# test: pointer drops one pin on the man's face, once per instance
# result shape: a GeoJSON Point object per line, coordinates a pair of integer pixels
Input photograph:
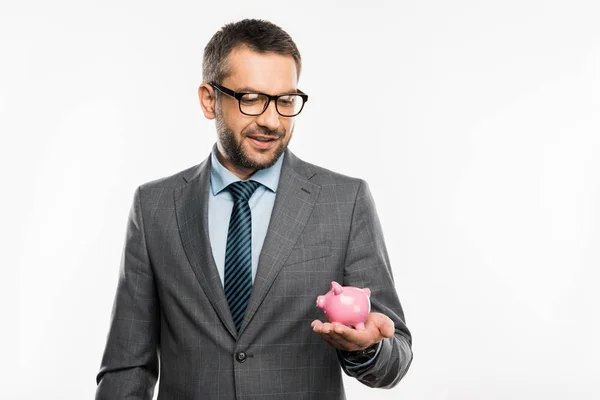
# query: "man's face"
{"type": "Point", "coordinates": [248, 143]}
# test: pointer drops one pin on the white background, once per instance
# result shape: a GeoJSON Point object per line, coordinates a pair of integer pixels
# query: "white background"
{"type": "Point", "coordinates": [475, 123]}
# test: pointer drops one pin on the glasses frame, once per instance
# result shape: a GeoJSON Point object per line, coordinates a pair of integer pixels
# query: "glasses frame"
{"type": "Point", "coordinates": [238, 96]}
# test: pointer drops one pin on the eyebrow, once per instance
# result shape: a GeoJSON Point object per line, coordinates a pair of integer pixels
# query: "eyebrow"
{"type": "Point", "coordinates": [252, 90]}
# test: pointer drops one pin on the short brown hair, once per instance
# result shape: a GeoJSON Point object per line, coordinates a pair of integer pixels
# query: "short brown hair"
{"type": "Point", "coordinates": [258, 35]}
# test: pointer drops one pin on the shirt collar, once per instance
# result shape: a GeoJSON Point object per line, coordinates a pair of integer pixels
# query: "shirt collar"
{"type": "Point", "coordinates": [221, 177]}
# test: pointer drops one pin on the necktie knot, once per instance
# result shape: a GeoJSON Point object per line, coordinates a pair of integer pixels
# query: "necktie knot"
{"type": "Point", "coordinates": [242, 190]}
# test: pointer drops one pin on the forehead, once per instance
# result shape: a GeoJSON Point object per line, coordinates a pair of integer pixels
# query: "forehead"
{"type": "Point", "coordinates": [265, 72]}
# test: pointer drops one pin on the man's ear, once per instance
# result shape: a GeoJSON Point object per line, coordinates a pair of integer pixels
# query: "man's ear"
{"type": "Point", "coordinates": [208, 100]}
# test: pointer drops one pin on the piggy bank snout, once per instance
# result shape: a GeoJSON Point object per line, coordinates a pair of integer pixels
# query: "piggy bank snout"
{"type": "Point", "coordinates": [321, 301]}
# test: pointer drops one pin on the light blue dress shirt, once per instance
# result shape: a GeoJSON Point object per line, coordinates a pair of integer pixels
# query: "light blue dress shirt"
{"type": "Point", "coordinates": [220, 204]}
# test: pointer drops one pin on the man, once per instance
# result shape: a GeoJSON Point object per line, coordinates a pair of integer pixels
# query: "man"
{"type": "Point", "coordinates": [223, 262]}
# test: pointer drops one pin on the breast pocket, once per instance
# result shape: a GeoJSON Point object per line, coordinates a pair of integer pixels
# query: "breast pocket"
{"type": "Point", "coordinates": [308, 254]}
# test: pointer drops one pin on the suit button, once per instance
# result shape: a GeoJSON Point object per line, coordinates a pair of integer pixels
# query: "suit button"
{"type": "Point", "coordinates": [241, 356]}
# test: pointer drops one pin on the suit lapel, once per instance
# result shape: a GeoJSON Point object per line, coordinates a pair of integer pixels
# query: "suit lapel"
{"type": "Point", "coordinates": [191, 202]}
{"type": "Point", "coordinates": [296, 197]}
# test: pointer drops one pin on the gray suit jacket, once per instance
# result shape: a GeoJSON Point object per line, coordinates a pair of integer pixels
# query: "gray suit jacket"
{"type": "Point", "coordinates": [170, 308]}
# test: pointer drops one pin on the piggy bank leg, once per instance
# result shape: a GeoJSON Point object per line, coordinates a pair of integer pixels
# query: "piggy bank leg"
{"type": "Point", "coordinates": [360, 326]}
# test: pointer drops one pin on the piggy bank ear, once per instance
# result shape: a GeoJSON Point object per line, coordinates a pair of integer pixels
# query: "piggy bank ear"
{"type": "Point", "coordinates": [367, 291]}
{"type": "Point", "coordinates": [336, 287]}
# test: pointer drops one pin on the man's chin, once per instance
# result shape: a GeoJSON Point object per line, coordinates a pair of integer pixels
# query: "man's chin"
{"type": "Point", "coordinates": [263, 159]}
{"type": "Point", "coordinates": [260, 163]}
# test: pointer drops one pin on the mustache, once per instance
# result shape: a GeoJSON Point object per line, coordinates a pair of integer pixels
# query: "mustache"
{"type": "Point", "coordinates": [265, 132]}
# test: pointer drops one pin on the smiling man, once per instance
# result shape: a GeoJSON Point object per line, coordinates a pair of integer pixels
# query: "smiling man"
{"type": "Point", "coordinates": [223, 262]}
{"type": "Point", "coordinates": [252, 135]}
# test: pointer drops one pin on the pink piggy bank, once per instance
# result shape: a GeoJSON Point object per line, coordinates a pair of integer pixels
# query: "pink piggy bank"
{"type": "Point", "coordinates": [347, 305]}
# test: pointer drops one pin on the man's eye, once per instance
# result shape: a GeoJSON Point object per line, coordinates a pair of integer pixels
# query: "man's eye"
{"type": "Point", "coordinates": [250, 98]}
{"type": "Point", "coordinates": [287, 101]}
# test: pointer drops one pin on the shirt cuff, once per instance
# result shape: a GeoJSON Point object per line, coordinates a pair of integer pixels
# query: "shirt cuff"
{"type": "Point", "coordinates": [352, 366]}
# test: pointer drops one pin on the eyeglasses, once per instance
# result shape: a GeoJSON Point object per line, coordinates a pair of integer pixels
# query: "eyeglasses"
{"type": "Point", "coordinates": [254, 104]}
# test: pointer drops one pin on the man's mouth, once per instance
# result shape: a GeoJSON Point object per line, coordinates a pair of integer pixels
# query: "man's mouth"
{"type": "Point", "coordinates": [263, 142]}
{"type": "Point", "coordinates": [263, 138]}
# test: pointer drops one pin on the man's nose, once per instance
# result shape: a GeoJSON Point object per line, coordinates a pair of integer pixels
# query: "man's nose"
{"type": "Point", "coordinates": [270, 118]}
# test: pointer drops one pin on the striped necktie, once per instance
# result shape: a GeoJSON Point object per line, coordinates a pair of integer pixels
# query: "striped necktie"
{"type": "Point", "coordinates": [238, 253]}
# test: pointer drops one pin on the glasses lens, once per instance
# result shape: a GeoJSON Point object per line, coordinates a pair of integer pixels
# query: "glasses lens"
{"type": "Point", "coordinates": [253, 103]}
{"type": "Point", "coordinates": [289, 105]}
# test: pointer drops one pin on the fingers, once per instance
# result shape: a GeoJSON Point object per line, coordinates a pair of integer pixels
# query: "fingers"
{"type": "Point", "coordinates": [346, 338]}
{"type": "Point", "coordinates": [327, 327]}
{"type": "Point", "coordinates": [325, 331]}
{"type": "Point", "coordinates": [316, 324]}
{"type": "Point", "coordinates": [377, 327]}
{"type": "Point", "coordinates": [334, 335]}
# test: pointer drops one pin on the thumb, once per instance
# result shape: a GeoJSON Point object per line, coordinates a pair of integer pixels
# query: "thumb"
{"type": "Point", "coordinates": [386, 326]}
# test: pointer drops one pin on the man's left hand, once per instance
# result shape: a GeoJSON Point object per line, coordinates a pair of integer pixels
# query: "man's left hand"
{"type": "Point", "coordinates": [342, 337]}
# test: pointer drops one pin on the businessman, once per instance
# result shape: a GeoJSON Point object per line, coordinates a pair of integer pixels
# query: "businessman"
{"type": "Point", "coordinates": [223, 262]}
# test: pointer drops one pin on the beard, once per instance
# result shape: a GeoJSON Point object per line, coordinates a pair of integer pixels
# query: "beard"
{"type": "Point", "coordinates": [234, 149]}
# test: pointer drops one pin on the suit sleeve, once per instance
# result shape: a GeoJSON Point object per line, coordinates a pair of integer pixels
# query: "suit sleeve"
{"type": "Point", "coordinates": [367, 265]}
{"type": "Point", "coordinates": [129, 368]}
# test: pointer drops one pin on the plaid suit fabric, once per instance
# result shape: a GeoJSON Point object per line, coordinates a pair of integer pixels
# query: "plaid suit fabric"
{"type": "Point", "coordinates": [323, 227]}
